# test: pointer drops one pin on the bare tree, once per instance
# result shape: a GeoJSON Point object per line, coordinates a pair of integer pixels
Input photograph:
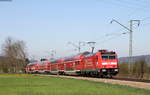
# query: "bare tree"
{"type": "Point", "coordinates": [139, 68]}
{"type": "Point", "coordinates": [142, 65]}
{"type": "Point", "coordinates": [15, 52]}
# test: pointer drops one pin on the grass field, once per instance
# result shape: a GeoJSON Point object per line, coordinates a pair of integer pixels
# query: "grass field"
{"type": "Point", "coordinates": [34, 85]}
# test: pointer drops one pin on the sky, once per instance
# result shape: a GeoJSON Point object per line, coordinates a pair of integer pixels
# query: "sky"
{"type": "Point", "coordinates": [47, 25]}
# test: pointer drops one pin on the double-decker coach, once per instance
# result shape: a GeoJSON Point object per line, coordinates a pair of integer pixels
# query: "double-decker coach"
{"type": "Point", "coordinates": [32, 67]}
{"type": "Point", "coordinates": [73, 65]}
{"type": "Point", "coordinates": [45, 66]}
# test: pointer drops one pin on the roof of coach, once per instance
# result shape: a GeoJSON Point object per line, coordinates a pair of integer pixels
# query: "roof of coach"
{"type": "Point", "coordinates": [59, 60]}
{"type": "Point", "coordinates": [32, 63]}
{"type": "Point", "coordinates": [45, 62]}
{"type": "Point", "coordinates": [77, 56]}
{"type": "Point", "coordinates": [89, 55]}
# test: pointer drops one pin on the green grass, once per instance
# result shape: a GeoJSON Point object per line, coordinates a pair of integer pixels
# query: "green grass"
{"type": "Point", "coordinates": [34, 85]}
{"type": "Point", "coordinates": [14, 75]}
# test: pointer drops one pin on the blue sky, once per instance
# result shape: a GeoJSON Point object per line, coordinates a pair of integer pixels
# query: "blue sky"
{"type": "Point", "coordinates": [47, 25]}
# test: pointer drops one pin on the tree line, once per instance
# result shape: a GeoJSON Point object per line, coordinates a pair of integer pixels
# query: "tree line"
{"type": "Point", "coordinates": [13, 57]}
{"type": "Point", "coordinates": [139, 69]}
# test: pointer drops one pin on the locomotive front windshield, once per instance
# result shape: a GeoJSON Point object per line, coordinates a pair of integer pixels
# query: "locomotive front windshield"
{"type": "Point", "coordinates": [110, 56]}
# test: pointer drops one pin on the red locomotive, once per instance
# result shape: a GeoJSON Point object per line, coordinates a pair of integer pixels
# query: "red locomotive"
{"type": "Point", "coordinates": [100, 64]}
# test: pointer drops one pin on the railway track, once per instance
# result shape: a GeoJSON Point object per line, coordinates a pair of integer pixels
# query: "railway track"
{"type": "Point", "coordinates": [144, 84]}
{"type": "Point", "coordinates": [132, 79]}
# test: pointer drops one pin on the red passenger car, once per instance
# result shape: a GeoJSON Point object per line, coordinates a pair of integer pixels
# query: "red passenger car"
{"type": "Point", "coordinates": [32, 67]}
{"type": "Point", "coordinates": [73, 64]}
{"type": "Point", "coordinates": [54, 67]}
{"type": "Point", "coordinates": [60, 66]}
{"type": "Point", "coordinates": [46, 66]}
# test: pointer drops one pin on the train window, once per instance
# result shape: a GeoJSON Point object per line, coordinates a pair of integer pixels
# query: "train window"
{"type": "Point", "coordinates": [77, 63]}
{"type": "Point", "coordinates": [112, 57]}
{"type": "Point", "coordinates": [96, 58]}
{"type": "Point", "coordinates": [36, 66]}
{"type": "Point", "coordinates": [104, 57]}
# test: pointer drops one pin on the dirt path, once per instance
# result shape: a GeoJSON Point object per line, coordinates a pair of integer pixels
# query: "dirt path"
{"type": "Point", "coordinates": [111, 81]}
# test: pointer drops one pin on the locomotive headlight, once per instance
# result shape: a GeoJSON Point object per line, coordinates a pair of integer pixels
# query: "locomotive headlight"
{"type": "Point", "coordinates": [116, 70]}
{"type": "Point", "coordinates": [103, 70]}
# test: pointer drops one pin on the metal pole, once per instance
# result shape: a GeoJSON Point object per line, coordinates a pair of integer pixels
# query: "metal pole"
{"type": "Point", "coordinates": [53, 52]}
{"type": "Point", "coordinates": [130, 40]}
{"type": "Point", "coordinates": [130, 47]}
{"type": "Point", "coordinates": [79, 47]}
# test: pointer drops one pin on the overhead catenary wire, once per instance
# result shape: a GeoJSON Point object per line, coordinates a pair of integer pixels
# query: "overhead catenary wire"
{"type": "Point", "coordinates": [77, 46]}
{"type": "Point", "coordinates": [112, 37]}
{"type": "Point", "coordinates": [144, 19]}
{"type": "Point", "coordinates": [119, 34]}
{"type": "Point", "coordinates": [135, 3]}
{"type": "Point", "coordinates": [142, 2]}
{"type": "Point", "coordinates": [125, 4]}
{"type": "Point", "coordinates": [116, 4]}
{"type": "Point", "coordinates": [128, 6]}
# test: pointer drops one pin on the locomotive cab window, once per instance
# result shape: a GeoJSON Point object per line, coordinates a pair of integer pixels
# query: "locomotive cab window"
{"type": "Point", "coordinates": [77, 63]}
{"type": "Point", "coordinates": [104, 57]}
{"type": "Point", "coordinates": [112, 57]}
